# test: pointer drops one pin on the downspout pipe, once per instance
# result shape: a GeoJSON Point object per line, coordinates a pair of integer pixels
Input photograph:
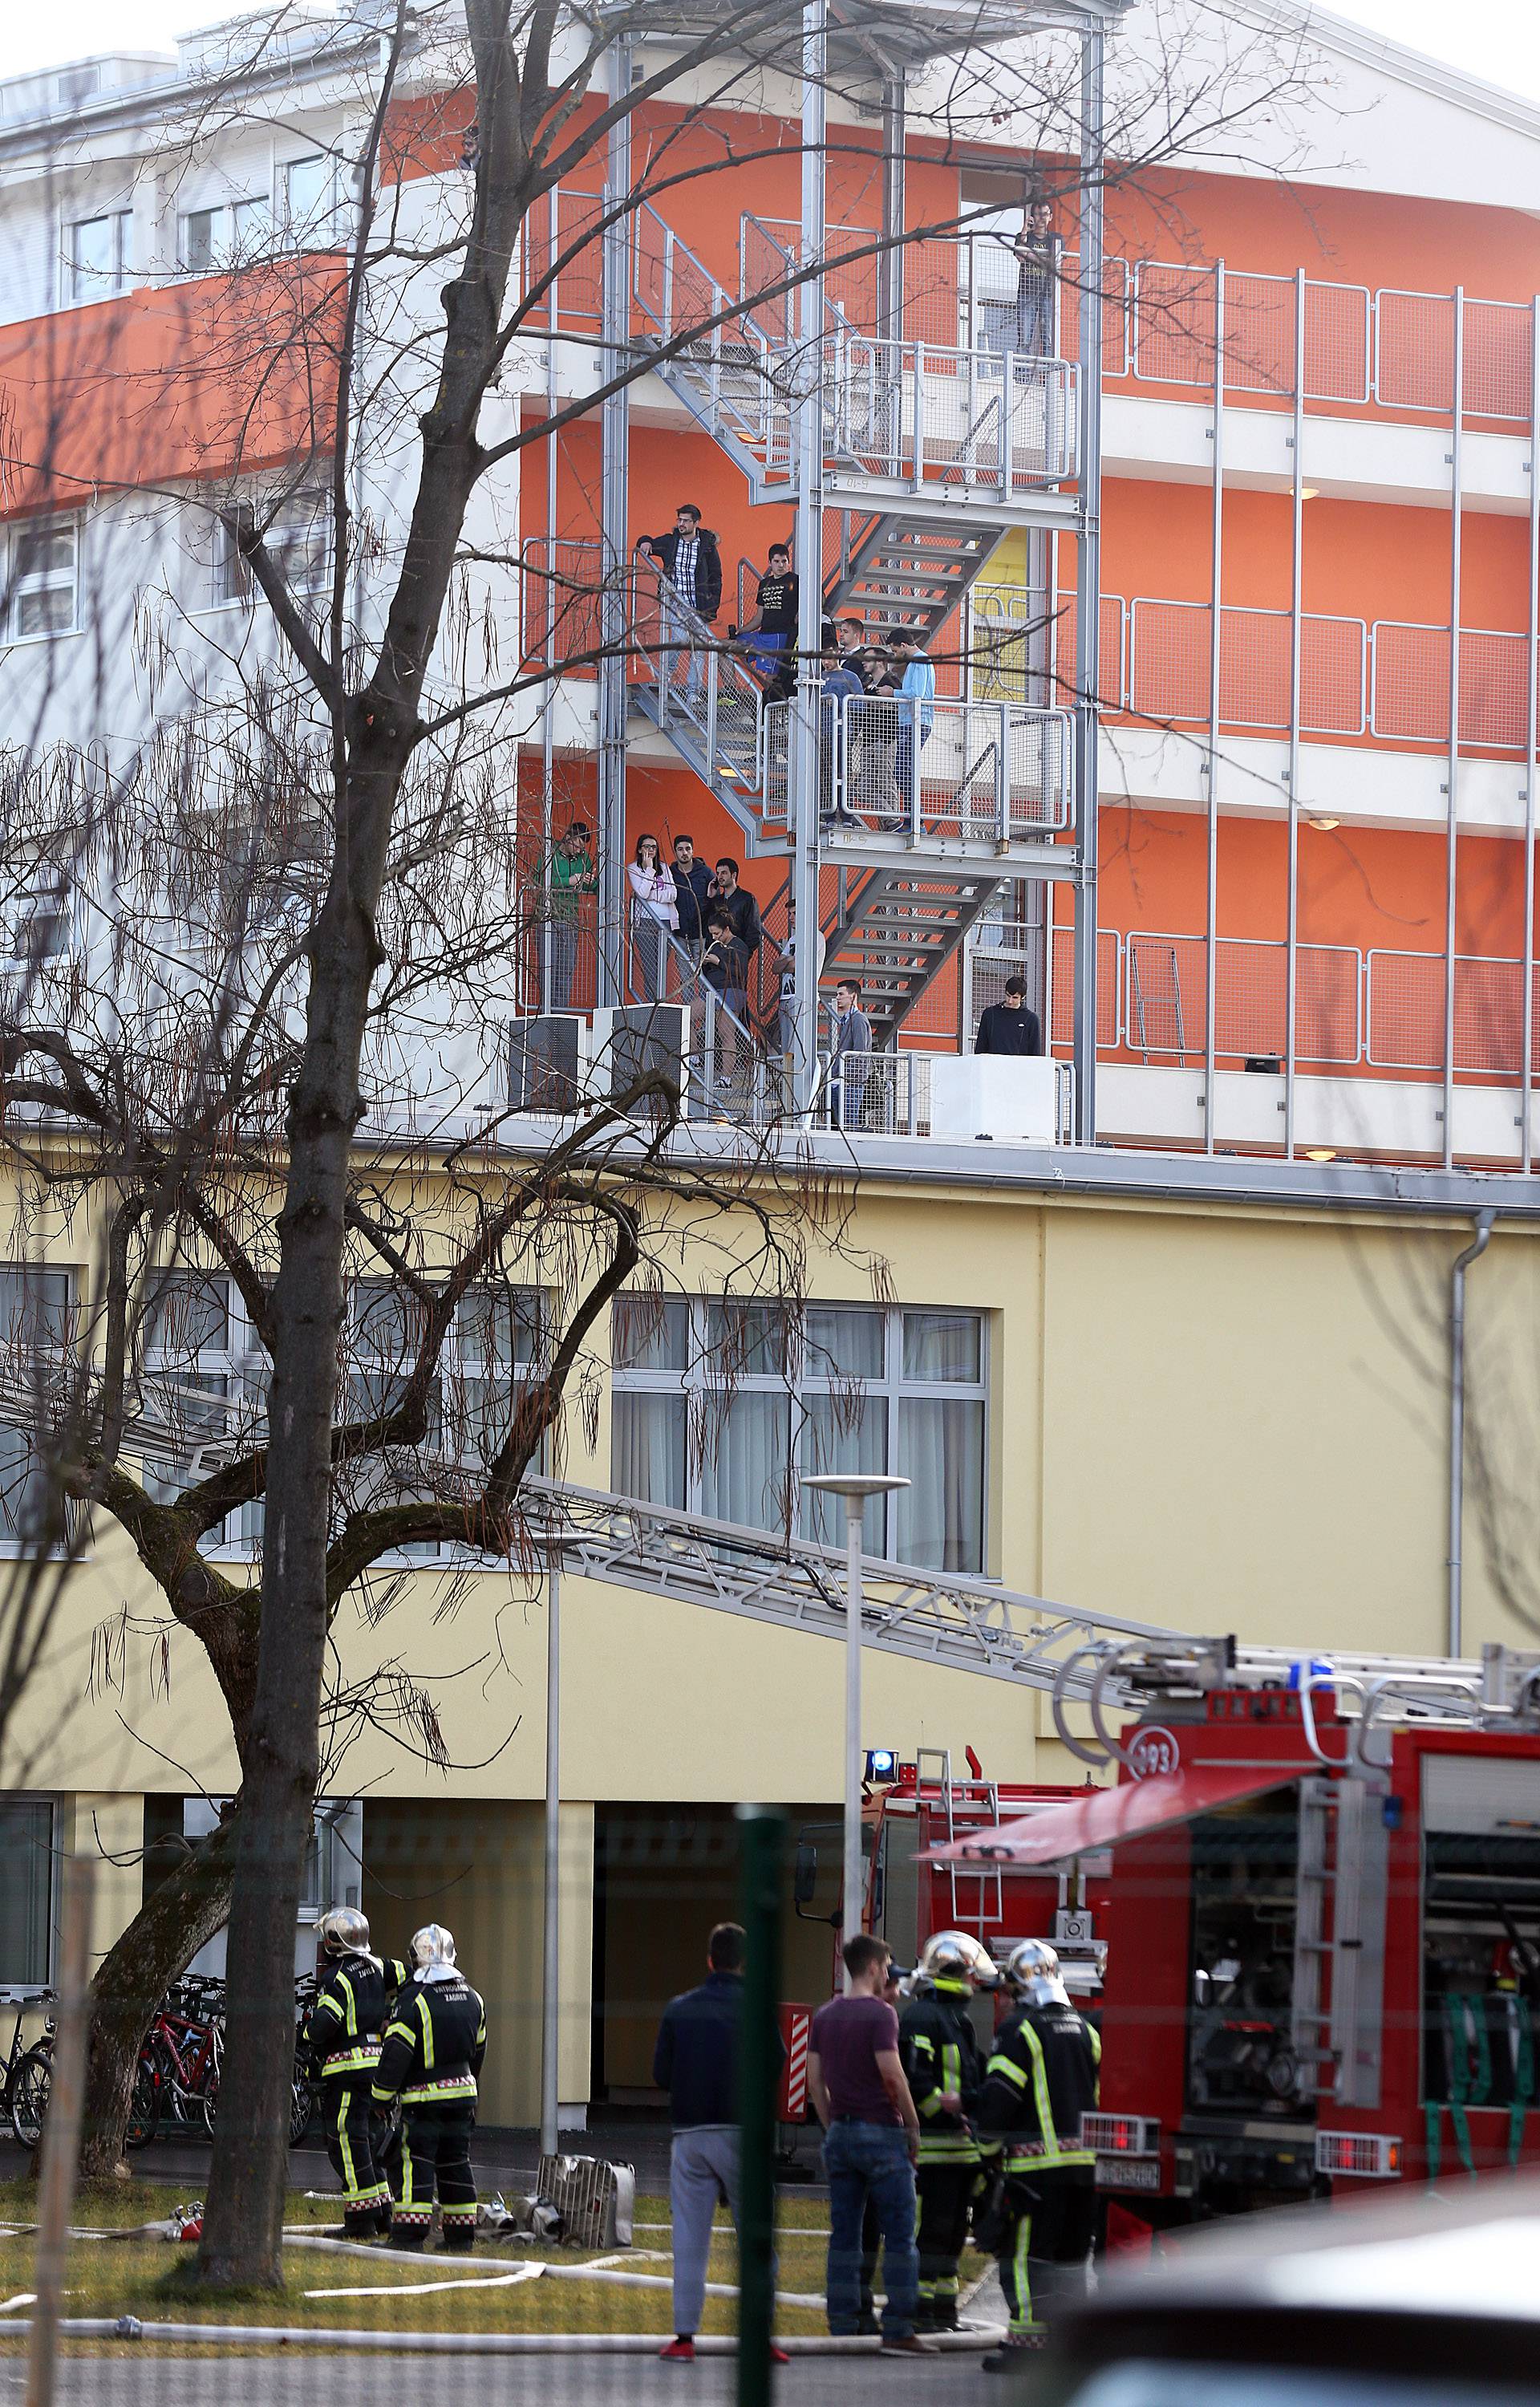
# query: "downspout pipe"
{"type": "Point", "coordinates": [1473, 1253]}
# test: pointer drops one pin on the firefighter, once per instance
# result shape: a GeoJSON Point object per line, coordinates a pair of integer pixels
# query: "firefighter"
{"type": "Point", "coordinates": [342, 2037]}
{"type": "Point", "coordinates": [941, 2057]}
{"type": "Point", "coordinates": [1041, 2078]}
{"type": "Point", "coordinates": [434, 2044]}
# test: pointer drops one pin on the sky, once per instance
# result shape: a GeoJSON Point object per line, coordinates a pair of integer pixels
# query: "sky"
{"type": "Point", "coordinates": [1496, 39]}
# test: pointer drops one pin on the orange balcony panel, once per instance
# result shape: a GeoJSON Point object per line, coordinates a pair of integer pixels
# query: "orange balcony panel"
{"type": "Point", "coordinates": [182, 383]}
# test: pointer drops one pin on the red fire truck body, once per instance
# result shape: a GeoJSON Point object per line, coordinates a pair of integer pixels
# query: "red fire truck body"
{"type": "Point", "coordinates": [1322, 1942]}
{"type": "Point", "coordinates": [909, 1896]}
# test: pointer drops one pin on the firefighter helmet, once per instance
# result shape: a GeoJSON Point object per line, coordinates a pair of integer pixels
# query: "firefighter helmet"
{"type": "Point", "coordinates": [433, 1944]}
{"type": "Point", "coordinates": [343, 1932]}
{"type": "Point", "coordinates": [1032, 1970]}
{"type": "Point", "coordinates": [953, 1956]}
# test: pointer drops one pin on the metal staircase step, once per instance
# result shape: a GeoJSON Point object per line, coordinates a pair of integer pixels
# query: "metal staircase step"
{"type": "Point", "coordinates": [909, 572]}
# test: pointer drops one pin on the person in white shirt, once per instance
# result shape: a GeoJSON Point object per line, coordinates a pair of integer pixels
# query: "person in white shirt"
{"type": "Point", "coordinates": [654, 917]}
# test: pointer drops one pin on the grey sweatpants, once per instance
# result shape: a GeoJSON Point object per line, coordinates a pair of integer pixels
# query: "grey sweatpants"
{"type": "Point", "coordinates": [703, 2164]}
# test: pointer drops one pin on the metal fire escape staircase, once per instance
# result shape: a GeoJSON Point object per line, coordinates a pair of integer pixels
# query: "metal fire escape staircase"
{"type": "Point", "coordinates": [904, 561]}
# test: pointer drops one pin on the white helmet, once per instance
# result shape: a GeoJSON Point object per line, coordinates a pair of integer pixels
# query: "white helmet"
{"type": "Point", "coordinates": [953, 1956]}
{"type": "Point", "coordinates": [343, 1932]}
{"type": "Point", "coordinates": [433, 1944]}
{"type": "Point", "coordinates": [1032, 1970]}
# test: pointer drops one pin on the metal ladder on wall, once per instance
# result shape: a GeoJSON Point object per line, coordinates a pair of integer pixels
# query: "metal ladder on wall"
{"type": "Point", "coordinates": [1144, 1003]}
{"type": "Point", "coordinates": [1310, 2013]}
{"type": "Point", "coordinates": [982, 1805]}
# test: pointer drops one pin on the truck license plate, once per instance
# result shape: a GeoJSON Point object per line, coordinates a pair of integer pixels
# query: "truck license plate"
{"type": "Point", "coordinates": [1128, 2173]}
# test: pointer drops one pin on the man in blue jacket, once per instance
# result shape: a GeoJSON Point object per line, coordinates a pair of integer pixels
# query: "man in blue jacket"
{"type": "Point", "coordinates": [695, 2062]}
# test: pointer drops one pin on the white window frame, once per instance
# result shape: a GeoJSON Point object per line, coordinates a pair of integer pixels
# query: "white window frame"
{"type": "Point", "coordinates": [304, 515]}
{"type": "Point", "coordinates": [100, 284]}
{"type": "Point", "coordinates": [242, 1365]}
{"type": "Point", "coordinates": [236, 226]}
{"type": "Point", "coordinates": [804, 1377]}
{"type": "Point", "coordinates": [45, 904]}
{"type": "Point", "coordinates": [317, 226]}
{"type": "Point", "coordinates": [19, 587]}
{"type": "Point", "coordinates": [459, 1367]}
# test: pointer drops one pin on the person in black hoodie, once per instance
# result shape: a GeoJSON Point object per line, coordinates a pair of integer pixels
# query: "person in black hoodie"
{"type": "Point", "coordinates": [691, 561]}
{"type": "Point", "coordinates": [1009, 1027]}
{"type": "Point", "coordinates": [692, 883]}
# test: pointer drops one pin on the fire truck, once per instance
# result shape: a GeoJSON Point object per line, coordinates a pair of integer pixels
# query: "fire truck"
{"type": "Point", "coordinates": [1322, 1920]}
{"type": "Point", "coordinates": [914, 1807]}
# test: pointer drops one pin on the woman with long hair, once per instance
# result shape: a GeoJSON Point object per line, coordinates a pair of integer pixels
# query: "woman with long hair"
{"type": "Point", "coordinates": [654, 915]}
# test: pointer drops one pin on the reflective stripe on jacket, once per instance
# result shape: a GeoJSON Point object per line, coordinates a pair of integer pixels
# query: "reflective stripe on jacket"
{"type": "Point", "coordinates": [1043, 2076]}
{"type": "Point", "coordinates": [342, 2028]}
{"type": "Point", "coordinates": [940, 2052]}
{"type": "Point", "coordinates": [434, 2044]}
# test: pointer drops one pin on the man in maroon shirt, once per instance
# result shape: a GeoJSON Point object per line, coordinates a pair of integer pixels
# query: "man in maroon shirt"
{"type": "Point", "coordinates": [871, 2139]}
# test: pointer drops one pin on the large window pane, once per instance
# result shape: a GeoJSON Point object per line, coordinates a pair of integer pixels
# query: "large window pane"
{"type": "Point", "coordinates": [942, 1346]}
{"type": "Point", "coordinates": [187, 1314]}
{"type": "Point", "coordinates": [26, 1887]}
{"type": "Point", "coordinates": [844, 1342]}
{"type": "Point", "coordinates": [647, 1448]}
{"type": "Point", "coordinates": [939, 1519]}
{"type": "Point", "coordinates": [651, 1334]}
{"type": "Point", "coordinates": [745, 1459]}
{"type": "Point", "coordinates": [745, 1341]}
{"type": "Point", "coordinates": [843, 1432]}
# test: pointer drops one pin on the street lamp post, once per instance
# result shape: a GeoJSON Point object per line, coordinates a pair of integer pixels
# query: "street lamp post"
{"type": "Point", "coordinates": [854, 1487]}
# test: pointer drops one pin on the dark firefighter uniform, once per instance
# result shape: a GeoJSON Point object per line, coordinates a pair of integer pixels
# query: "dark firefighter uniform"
{"type": "Point", "coordinates": [941, 2056]}
{"type": "Point", "coordinates": [434, 2044]}
{"type": "Point", "coordinates": [343, 2034]}
{"type": "Point", "coordinates": [1041, 2078]}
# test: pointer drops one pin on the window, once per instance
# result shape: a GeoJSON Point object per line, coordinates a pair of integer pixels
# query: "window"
{"type": "Point", "coordinates": [100, 255]}
{"type": "Point", "coordinates": [309, 192]}
{"type": "Point", "coordinates": [226, 237]}
{"type": "Point", "coordinates": [37, 1330]}
{"type": "Point", "coordinates": [718, 1406]}
{"type": "Point", "coordinates": [35, 926]}
{"type": "Point", "coordinates": [298, 536]}
{"type": "Point", "coordinates": [492, 1349]}
{"type": "Point", "coordinates": [44, 592]}
{"type": "Point", "coordinates": [200, 1345]}
{"type": "Point", "coordinates": [26, 1890]}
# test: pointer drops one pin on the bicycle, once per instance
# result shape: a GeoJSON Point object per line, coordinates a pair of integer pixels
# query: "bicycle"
{"type": "Point", "coordinates": [184, 2051]}
{"type": "Point", "coordinates": [29, 2070]}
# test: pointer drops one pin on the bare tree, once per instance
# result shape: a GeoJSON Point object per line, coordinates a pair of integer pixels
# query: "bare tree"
{"type": "Point", "coordinates": [310, 912]}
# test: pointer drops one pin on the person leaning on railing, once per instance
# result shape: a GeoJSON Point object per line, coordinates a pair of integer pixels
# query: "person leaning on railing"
{"type": "Point", "coordinates": [916, 718]}
{"type": "Point", "coordinates": [655, 915]}
{"type": "Point", "coordinates": [570, 878]}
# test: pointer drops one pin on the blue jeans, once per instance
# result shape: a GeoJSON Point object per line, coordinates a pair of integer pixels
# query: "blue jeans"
{"type": "Point", "coordinates": [862, 2161]}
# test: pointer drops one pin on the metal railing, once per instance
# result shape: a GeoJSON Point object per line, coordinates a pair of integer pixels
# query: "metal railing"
{"type": "Point", "coordinates": [888, 1094]}
{"type": "Point", "coordinates": [694, 684]}
{"type": "Point", "coordinates": [929, 415]}
{"type": "Point", "coordinates": [1166, 999]}
{"type": "Point", "coordinates": [1168, 667]}
{"type": "Point", "coordinates": [1406, 1008]}
{"type": "Point", "coordinates": [990, 771]}
{"type": "Point", "coordinates": [560, 591]}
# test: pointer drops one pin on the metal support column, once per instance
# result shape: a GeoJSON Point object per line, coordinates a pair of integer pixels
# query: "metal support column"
{"type": "Point", "coordinates": [550, 2000]}
{"type": "Point", "coordinates": [1296, 606]}
{"type": "Point", "coordinates": [547, 705]}
{"type": "Point", "coordinates": [1452, 822]}
{"type": "Point", "coordinates": [890, 260]}
{"type": "Point", "coordinates": [808, 441]}
{"type": "Point", "coordinates": [1216, 630]}
{"type": "Point", "coordinates": [1532, 745]}
{"type": "Point", "coordinates": [615, 556]}
{"type": "Point", "coordinates": [1088, 586]}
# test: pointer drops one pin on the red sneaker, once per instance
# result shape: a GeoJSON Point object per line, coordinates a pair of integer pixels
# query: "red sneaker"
{"type": "Point", "coordinates": [681, 2352]}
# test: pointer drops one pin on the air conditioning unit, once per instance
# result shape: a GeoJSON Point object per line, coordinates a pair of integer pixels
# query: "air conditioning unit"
{"type": "Point", "coordinates": [641, 1037]}
{"type": "Point", "coordinates": [547, 1064]}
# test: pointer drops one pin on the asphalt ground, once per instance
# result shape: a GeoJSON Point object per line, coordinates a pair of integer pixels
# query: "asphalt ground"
{"type": "Point", "coordinates": [324, 2380]}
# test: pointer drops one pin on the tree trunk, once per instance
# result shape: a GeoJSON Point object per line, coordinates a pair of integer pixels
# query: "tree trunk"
{"type": "Point", "coordinates": [243, 2227]}
{"type": "Point", "coordinates": [178, 1919]}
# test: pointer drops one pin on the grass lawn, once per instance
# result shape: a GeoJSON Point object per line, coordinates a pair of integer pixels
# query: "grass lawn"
{"type": "Point", "coordinates": [146, 2277]}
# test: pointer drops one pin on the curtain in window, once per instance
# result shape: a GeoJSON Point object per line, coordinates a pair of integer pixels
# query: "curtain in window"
{"type": "Point", "coordinates": [647, 1450]}
{"type": "Point", "coordinates": [746, 1454]}
{"type": "Point", "coordinates": [26, 1888]}
{"type": "Point", "coordinates": [843, 1431]}
{"type": "Point", "coordinates": [939, 1519]}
